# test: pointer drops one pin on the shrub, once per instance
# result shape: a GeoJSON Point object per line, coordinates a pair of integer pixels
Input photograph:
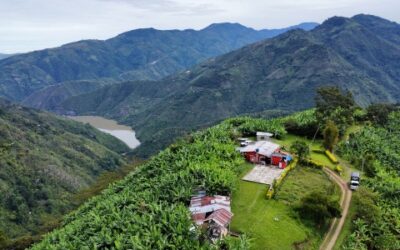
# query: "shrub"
{"type": "Point", "coordinates": [331, 135]}
{"type": "Point", "coordinates": [270, 193]}
{"type": "Point", "coordinates": [318, 151]}
{"type": "Point", "coordinates": [278, 181]}
{"type": "Point", "coordinates": [318, 207]}
{"type": "Point", "coordinates": [331, 157]}
{"type": "Point", "coordinates": [301, 149]}
{"type": "Point", "coordinates": [339, 169]}
{"type": "Point", "coordinates": [313, 164]}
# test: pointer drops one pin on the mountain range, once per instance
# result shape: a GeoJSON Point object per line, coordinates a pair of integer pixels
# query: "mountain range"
{"type": "Point", "coordinates": [3, 56]}
{"type": "Point", "coordinates": [279, 75]}
{"type": "Point", "coordinates": [44, 161]}
{"type": "Point", "coordinates": [135, 55]}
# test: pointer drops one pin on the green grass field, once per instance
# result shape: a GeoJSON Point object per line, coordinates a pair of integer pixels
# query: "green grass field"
{"type": "Point", "coordinates": [272, 224]}
{"type": "Point", "coordinates": [303, 180]}
{"type": "Point", "coordinates": [287, 141]}
{"type": "Point", "coordinates": [269, 223]}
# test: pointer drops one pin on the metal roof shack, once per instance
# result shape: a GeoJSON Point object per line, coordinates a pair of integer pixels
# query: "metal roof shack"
{"type": "Point", "coordinates": [206, 204]}
{"type": "Point", "coordinates": [222, 217]}
{"type": "Point", "coordinates": [213, 213]}
{"type": "Point", "coordinates": [262, 136]}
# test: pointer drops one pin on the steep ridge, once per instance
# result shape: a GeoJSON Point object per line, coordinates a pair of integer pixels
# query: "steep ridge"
{"type": "Point", "coordinates": [278, 74]}
{"type": "Point", "coordinates": [50, 97]}
{"type": "Point", "coordinates": [44, 160]}
{"type": "Point", "coordinates": [141, 54]}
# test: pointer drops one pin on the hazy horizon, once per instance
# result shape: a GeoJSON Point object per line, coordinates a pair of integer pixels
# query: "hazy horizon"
{"type": "Point", "coordinates": [27, 25]}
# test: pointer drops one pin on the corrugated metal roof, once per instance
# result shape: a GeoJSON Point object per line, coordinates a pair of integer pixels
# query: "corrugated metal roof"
{"type": "Point", "coordinates": [265, 134]}
{"type": "Point", "coordinates": [265, 148]}
{"type": "Point", "coordinates": [199, 218]}
{"type": "Point", "coordinates": [208, 204]}
{"type": "Point", "coordinates": [222, 217]}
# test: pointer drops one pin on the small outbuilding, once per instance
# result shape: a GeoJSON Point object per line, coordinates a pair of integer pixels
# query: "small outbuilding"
{"type": "Point", "coordinates": [213, 213]}
{"type": "Point", "coordinates": [264, 136]}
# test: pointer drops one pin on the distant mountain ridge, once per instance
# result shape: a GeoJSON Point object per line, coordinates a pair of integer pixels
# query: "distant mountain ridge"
{"type": "Point", "coordinates": [278, 75]}
{"type": "Point", "coordinates": [3, 56]}
{"type": "Point", "coordinates": [142, 54]}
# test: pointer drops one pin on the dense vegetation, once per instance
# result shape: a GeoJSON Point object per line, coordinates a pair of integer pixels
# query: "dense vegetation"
{"type": "Point", "coordinates": [148, 209]}
{"type": "Point", "coordinates": [135, 55]}
{"type": "Point", "coordinates": [279, 74]}
{"type": "Point", "coordinates": [375, 149]}
{"type": "Point", "coordinates": [44, 161]}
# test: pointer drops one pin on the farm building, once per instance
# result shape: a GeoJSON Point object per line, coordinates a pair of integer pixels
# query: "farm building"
{"type": "Point", "coordinates": [265, 152]}
{"type": "Point", "coordinates": [213, 212]}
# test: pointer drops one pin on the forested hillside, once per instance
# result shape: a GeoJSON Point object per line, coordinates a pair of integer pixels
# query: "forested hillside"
{"type": "Point", "coordinates": [148, 209]}
{"type": "Point", "coordinates": [135, 55]}
{"type": "Point", "coordinates": [375, 149]}
{"type": "Point", "coordinates": [44, 160]}
{"type": "Point", "coordinates": [278, 75]}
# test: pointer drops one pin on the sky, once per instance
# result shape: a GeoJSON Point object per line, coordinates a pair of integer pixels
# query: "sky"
{"type": "Point", "coordinates": [27, 25]}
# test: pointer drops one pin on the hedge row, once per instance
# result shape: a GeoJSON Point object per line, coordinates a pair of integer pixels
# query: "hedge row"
{"type": "Point", "coordinates": [277, 182]}
{"type": "Point", "coordinates": [331, 157]}
{"type": "Point", "coordinates": [315, 164]}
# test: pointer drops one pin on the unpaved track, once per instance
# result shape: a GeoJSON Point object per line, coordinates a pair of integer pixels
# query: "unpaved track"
{"type": "Point", "coordinates": [337, 224]}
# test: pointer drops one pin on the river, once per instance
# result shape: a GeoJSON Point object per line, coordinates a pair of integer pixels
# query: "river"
{"type": "Point", "coordinates": [123, 133]}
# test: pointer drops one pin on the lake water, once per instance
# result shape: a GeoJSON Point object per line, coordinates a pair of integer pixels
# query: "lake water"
{"type": "Point", "coordinates": [124, 133]}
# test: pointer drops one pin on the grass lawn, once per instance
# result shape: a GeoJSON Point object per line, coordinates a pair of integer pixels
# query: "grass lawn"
{"type": "Point", "coordinates": [271, 223]}
{"type": "Point", "coordinates": [303, 180]}
{"type": "Point", "coordinates": [267, 222]}
{"type": "Point", "coordinates": [323, 159]}
{"type": "Point", "coordinates": [287, 141]}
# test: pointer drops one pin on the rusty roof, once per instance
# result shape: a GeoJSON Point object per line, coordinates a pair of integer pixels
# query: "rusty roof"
{"type": "Point", "coordinates": [222, 217]}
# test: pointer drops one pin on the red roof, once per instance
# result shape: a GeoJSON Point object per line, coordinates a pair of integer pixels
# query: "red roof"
{"type": "Point", "coordinates": [222, 217]}
{"type": "Point", "coordinates": [199, 218]}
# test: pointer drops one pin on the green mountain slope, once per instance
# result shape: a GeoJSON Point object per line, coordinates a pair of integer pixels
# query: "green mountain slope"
{"type": "Point", "coordinates": [148, 209]}
{"type": "Point", "coordinates": [279, 74]}
{"type": "Point", "coordinates": [50, 97]}
{"type": "Point", "coordinates": [44, 160]}
{"type": "Point", "coordinates": [138, 54]}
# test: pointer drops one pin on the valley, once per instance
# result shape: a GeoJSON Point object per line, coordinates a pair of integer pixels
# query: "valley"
{"type": "Point", "coordinates": [121, 132]}
{"type": "Point", "coordinates": [209, 159]}
{"type": "Point", "coordinates": [262, 79]}
{"type": "Point", "coordinates": [224, 137]}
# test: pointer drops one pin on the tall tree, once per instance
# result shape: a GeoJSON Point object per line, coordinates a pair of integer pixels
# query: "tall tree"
{"type": "Point", "coordinates": [301, 149]}
{"type": "Point", "coordinates": [379, 113]}
{"type": "Point", "coordinates": [335, 105]}
{"type": "Point", "coordinates": [331, 135]}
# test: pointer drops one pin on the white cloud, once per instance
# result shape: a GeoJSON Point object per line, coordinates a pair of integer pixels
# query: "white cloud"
{"type": "Point", "coordinates": [35, 24]}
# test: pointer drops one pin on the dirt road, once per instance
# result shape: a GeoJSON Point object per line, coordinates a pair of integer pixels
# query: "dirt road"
{"type": "Point", "coordinates": [337, 224]}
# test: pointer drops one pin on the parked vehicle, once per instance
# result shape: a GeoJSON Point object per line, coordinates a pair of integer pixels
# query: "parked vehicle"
{"type": "Point", "coordinates": [244, 142]}
{"type": "Point", "coordinates": [354, 180]}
